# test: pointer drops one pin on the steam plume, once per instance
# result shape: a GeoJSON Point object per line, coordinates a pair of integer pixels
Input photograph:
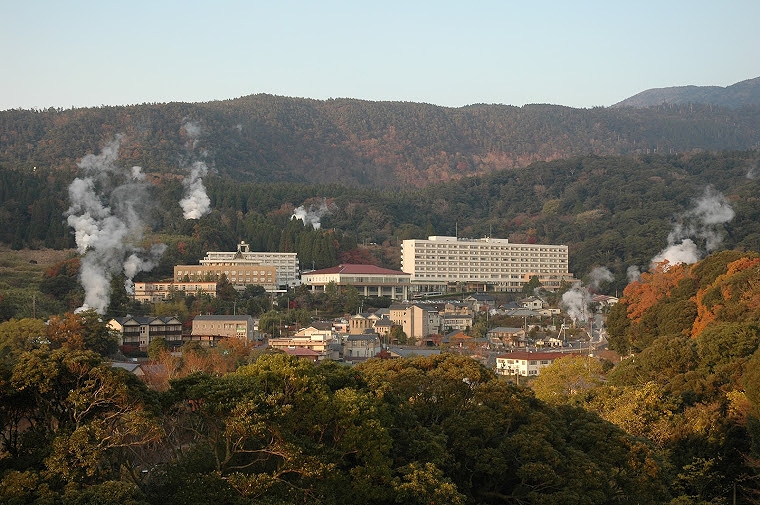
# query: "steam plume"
{"type": "Point", "coordinates": [599, 275]}
{"type": "Point", "coordinates": [313, 213]}
{"type": "Point", "coordinates": [107, 204]}
{"type": "Point", "coordinates": [702, 223]}
{"type": "Point", "coordinates": [195, 203]}
{"type": "Point", "coordinates": [633, 274]}
{"type": "Point", "coordinates": [575, 303]}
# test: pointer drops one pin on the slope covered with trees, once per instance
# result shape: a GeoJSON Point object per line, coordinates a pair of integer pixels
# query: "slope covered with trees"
{"type": "Point", "coordinates": [612, 212]}
{"type": "Point", "coordinates": [352, 142]}
{"type": "Point", "coordinates": [279, 430]}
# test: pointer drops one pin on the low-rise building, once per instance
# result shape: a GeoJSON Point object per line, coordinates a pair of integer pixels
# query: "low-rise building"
{"type": "Point", "coordinates": [526, 364]}
{"type": "Point", "coordinates": [209, 329]}
{"type": "Point", "coordinates": [155, 292]}
{"type": "Point", "coordinates": [369, 280]}
{"type": "Point", "coordinates": [137, 332]}
{"type": "Point", "coordinates": [456, 321]}
{"type": "Point", "coordinates": [361, 347]}
{"type": "Point", "coordinates": [310, 338]}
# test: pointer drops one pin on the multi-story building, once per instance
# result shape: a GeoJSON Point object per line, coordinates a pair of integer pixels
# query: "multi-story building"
{"type": "Point", "coordinates": [238, 275]}
{"type": "Point", "coordinates": [527, 364]}
{"type": "Point", "coordinates": [361, 347]}
{"type": "Point", "coordinates": [161, 291]}
{"type": "Point", "coordinates": [285, 264]}
{"type": "Point", "coordinates": [370, 280]}
{"type": "Point", "coordinates": [439, 262]}
{"type": "Point", "coordinates": [137, 332]}
{"type": "Point", "coordinates": [209, 329]}
{"type": "Point", "coordinates": [417, 320]}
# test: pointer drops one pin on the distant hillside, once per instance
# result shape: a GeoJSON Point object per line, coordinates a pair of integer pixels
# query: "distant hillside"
{"type": "Point", "coordinates": [737, 95]}
{"type": "Point", "coordinates": [267, 138]}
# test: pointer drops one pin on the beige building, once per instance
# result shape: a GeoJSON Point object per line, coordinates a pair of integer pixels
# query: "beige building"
{"type": "Point", "coordinates": [317, 338]}
{"type": "Point", "coordinates": [285, 264]}
{"type": "Point", "coordinates": [238, 275]}
{"type": "Point", "coordinates": [417, 320]}
{"type": "Point", "coordinates": [441, 261]}
{"type": "Point", "coordinates": [369, 280]}
{"type": "Point", "coordinates": [211, 328]}
{"type": "Point", "coordinates": [161, 291]}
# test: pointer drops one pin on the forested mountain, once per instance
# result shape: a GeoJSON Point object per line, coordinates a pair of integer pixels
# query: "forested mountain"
{"type": "Point", "coordinates": [741, 94]}
{"type": "Point", "coordinates": [353, 142]}
{"type": "Point", "coordinates": [613, 212]}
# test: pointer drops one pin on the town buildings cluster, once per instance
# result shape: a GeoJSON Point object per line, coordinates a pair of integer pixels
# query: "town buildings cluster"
{"type": "Point", "coordinates": [436, 265]}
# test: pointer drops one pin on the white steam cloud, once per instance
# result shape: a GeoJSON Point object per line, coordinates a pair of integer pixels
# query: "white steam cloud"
{"type": "Point", "coordinates": [598, 276]}
{"type": "Point", "coordinates": [633, 274]}
{"type": "Point", "coordinates": [313, 213]}
{"type": "Point", "coordinates": [107, 206]}
{"type": "Point", "coordinates": [575, 302]}
{"type": "Point", "coordinates": [701, 223]}
{"type": "Point", "coordinates": [195, 202]}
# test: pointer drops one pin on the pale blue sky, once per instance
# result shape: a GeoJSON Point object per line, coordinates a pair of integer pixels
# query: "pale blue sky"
{"type": "Point", "coordinates": [576, 53]}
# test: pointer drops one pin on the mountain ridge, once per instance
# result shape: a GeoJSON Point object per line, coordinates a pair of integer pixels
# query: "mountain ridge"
{"type": "Point", "coordinates": [739, 94]}
{"type": "Point", "coordinates": [269, 138]}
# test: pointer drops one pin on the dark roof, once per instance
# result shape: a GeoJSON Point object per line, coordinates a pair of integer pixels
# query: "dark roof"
{"type": "Point", "coordinates": [214, 317]}
{"type": "Point", "coordinates": [145, 319]}
{"type": "Point", "coordinates": [358, 269]}
{"type": "Point", "coordinates": [363, 336]}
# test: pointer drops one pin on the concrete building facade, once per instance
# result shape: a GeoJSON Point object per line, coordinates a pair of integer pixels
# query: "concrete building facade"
{"type": "Point", "coordinates": [210, 328]}
{"type": "Point", "coordinates": [370, 280]}
{"type": "Point", "coordinates": [285, 264]}
{"type": "Point", "coordinates": [440, 261]}
{"type": "Point", "coordinates": [161, 291]}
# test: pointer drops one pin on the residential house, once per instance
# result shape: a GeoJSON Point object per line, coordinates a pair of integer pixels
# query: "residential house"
{"type": "Point", "coordinates": [303, 353]}
{"type": "Point", "coordinates": [137, 332]}
{"type": "Point", "coordinates": [361, 347]}
{"type": "Point", "coordinates": [317, 338]}
{"type": "Point", "coordinates": [506, 335]}
{"type": "Point", "coordinates": [526, 364]}
{"type": "Point", "coordinates": [480, 302]}
{"type": "Point", "coordinates": [532, 303]}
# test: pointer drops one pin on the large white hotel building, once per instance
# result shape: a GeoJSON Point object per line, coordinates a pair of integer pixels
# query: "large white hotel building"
{"type": "Point", "coordinates": [487, 263]}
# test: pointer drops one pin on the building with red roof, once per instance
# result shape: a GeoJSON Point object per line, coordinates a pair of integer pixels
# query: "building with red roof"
{"type": "Point", "coordinates": [370, 280]}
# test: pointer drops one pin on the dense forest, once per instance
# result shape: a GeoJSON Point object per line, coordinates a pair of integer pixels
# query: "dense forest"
{"type": "Point", "coordinates": [612, 212]}
{"type": "Point", "coordinates": [678, 423]}
{"type": "Point", "coordinates": [264, 138]}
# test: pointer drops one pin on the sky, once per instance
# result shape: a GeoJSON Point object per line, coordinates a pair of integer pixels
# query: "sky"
{"type": "Point", "coordinates": [583, 54]}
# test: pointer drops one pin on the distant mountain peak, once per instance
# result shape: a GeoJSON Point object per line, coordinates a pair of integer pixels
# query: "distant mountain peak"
{"type": "Point", "coordinates": [736, 95]}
